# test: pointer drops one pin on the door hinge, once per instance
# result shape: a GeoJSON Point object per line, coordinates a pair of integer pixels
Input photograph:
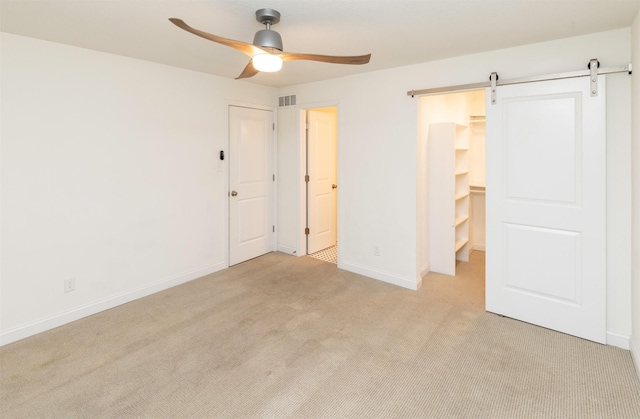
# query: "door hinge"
{"type": "Point", "coordinates": [274, 126]}
{"type": "Point", "coordinates": [273, 229]}
{"type": "Point", "coordinates": [274, 178]}
{"type": "Point", "coordinates": [306, 231]}
{"type": "Point", "coordinates": [307, 125]}
{"type": "Point", "coordinates": [306, 178]}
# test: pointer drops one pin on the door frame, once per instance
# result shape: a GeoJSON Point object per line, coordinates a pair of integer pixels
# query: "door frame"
{"type": "Point", "coordinates": [227, 170]}
{"type": "Point", "coordinates": [309, 206]}
{"type": "Point", "coordinates": [423, 133]}
{"type": "Point", "coordinates": [302, 190]}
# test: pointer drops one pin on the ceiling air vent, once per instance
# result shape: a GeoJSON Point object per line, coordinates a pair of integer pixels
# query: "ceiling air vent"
{"type": "Point", "coordinates": [289, 100]}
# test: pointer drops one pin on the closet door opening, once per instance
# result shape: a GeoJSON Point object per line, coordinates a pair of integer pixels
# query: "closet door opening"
{"type": "Point", "coordinates": [453, 172]}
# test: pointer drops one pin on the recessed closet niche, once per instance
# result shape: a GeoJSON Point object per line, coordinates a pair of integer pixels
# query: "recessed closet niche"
{"type": "Point", "coordinates": [453, 126]}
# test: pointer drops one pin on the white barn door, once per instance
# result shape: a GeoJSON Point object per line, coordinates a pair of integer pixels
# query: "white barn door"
{"type": "Point", "coordinates": [546, 202]}
{"type": "Point", "coordinates": [251, 197]}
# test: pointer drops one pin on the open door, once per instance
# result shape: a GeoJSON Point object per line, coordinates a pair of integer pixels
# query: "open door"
{"type": "Point", "coordinates": [322, 181]}
{"type": "Point", "coordinates": [546, 197]}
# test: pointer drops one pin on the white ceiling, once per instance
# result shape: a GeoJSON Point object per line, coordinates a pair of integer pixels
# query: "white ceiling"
{"type": "Point", "coordinates": [396, 33]}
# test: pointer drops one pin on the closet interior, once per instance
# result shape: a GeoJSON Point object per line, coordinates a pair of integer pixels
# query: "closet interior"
{"type": "Point", "coordinates": [453, 127]}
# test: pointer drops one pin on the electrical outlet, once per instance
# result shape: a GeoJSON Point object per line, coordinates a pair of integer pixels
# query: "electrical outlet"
{"type": "Point", "coordinates": [376, 250]}
{"type": "Point", "coordinates": [69, 284]}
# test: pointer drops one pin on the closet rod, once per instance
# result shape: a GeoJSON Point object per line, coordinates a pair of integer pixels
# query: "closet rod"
{"type": "Point", "coordinates": [530, 79]}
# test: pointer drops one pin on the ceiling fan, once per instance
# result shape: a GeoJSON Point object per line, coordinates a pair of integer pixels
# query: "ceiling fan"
{"type": "Point", "coordinates": [266, 51]}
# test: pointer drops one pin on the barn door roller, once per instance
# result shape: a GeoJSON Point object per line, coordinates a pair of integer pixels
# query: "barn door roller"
{"type": "Point", "coordinates": [593, 76]}
{"type": "Point", "coordinates": [494, 86]}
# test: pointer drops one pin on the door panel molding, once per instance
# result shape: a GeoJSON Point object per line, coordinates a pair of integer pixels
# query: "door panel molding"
{"type": "Point", "coordinates": [546, 206]}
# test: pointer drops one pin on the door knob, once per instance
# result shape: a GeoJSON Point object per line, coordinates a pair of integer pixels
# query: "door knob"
{"type": "Point", "coordinates": [234, 193]}
{"type": "Point", "coordinates": [334, 186]}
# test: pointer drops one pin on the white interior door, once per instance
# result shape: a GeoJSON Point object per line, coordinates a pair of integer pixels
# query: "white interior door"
{"type": "Point", "coordinates": [322, 186]}
{"type": "Point", "coordinates": [251, 179]}
{"type": "Point", "coordinates": [546, 196]}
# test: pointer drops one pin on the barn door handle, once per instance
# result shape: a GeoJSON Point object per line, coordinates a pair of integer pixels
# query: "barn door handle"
{"type": "Point", "coordinates": [234, 193]}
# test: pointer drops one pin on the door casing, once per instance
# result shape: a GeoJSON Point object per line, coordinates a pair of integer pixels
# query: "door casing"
{"type": "Point", "coordinates": [302, 220]}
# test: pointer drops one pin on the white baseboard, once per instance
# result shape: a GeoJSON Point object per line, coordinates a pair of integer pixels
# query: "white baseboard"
{"type": "Point", "coordinates": [288, 250]}
{"type": "Point", "coordinates": [618, 340]}
{"type": "Point", "coordinates": [425, 270]}
{"type": "Point", "coordinates": [50, 322]}
{"type": "Point", "coordinates": [635, 355]}
{"type": "Point", "coordinates": [381, 276]}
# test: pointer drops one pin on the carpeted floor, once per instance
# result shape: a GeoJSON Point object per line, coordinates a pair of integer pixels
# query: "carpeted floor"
{"type": "Point", "coordinates": [287, 337]}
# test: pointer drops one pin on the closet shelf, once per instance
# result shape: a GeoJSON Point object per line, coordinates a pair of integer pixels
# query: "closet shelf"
{"type": "Point", "coordinates": [460, 243]}
{"type": "Point", "coordinates": [449, 216]}
{"type": "Point", "coordinates": [476, 118]}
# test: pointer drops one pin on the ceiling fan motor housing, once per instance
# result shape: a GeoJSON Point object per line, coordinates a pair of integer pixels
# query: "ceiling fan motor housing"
{"type": "Point", "coordinates": [266, 37]}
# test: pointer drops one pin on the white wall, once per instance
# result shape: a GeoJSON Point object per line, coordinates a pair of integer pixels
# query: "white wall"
{"type": "Point", "coordinates": [635, 158]}
{"type": "Point", "coordinates": [423, 252]}
{"type": "Point", "coordinates": [288, 171]}
{"type": "Point", "coordinates": [110, 175]}
{"type": "Point", "coordinates": [378, 144]}
{"type": "Point", "coordinates": [619, 208]}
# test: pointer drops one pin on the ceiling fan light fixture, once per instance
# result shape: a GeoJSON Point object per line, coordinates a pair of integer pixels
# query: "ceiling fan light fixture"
{"type": "Point", "coordinates": [268, 63]}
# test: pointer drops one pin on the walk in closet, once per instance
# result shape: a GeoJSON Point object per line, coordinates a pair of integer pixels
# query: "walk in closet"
{"type": "Point", "coordinates": [453, 127]}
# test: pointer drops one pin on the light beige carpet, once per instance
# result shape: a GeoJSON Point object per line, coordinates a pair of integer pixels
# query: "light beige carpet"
{"type": "Point", "coordinates": [281, 336]}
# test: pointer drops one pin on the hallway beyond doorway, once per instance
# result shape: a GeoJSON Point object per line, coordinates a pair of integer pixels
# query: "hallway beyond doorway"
{"type": "Point", "coordinates": [330, 254]}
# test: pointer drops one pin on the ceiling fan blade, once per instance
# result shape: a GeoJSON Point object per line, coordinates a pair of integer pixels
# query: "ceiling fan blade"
{"type": "Point", "coordinates": [249, 71]}
{"type": "Point", "coordinates": [355, 59]}
{"type": "Point", "coordinates": [248, 49]}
